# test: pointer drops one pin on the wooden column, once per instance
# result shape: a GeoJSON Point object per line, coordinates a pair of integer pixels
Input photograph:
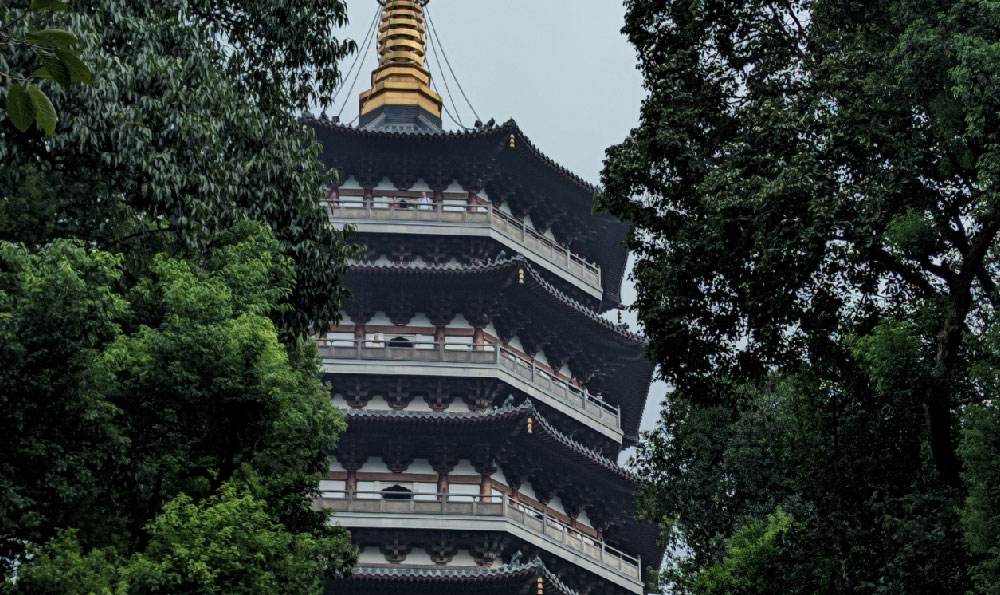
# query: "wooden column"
{"type": "Point", "coordinates": [443, 461]}
{"type": "Point", "coordinates": [485, 486]}
{"type": "Point", "coordinates": [442, 484]}
{"type": "Point", "coordinates": [439, 334]}
{"type": "Point", "coordinates": [351, 481]}
{"type": "Point", "coordinates": [478, 338]}
{"type": "Point", "coordinates": [486, 466]}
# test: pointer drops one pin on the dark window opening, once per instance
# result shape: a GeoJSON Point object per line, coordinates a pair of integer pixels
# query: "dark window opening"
{"type": "Point", "coordinates": [397, 492]}
{"type": "Point", "coordinates": [400, 342]}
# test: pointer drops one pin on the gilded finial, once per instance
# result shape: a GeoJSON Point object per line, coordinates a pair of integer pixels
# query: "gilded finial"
{"type": "Point", "coordinates": [401, 77]}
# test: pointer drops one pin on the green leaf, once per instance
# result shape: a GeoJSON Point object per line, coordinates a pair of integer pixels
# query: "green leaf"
{"type": "Point", "coordinates": [19, 108]}
{"type": "Point", "coordinates": [48, 5]}
{"type": "Point", "coordinates": [79, 73]}
{"type": "Point", "coordinates": [42, 73]}
{"type": "Point", "coordinates": [45, 113]}
{"type": "Point", "coordinates": [56, 69]}
{"type": "Point", "coordinates": [52, 37]}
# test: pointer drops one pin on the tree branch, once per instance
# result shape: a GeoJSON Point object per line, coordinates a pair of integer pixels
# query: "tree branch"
{"type": "Point", "coordinates": [897, 266]}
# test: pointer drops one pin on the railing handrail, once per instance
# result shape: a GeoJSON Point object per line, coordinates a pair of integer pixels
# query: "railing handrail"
{"type": "Point", "coordinates": [455, 205]}
{"type": "Point", "coordinates": [506, 501]}
{"type": "Point", "coordinates": [485, 347]}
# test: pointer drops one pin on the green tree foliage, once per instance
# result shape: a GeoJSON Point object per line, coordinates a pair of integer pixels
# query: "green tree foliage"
{"type": "Point", "coordinates": [119, 402]}
{"type": "Point", "coordinates": [229, 543]}
{"type": "Point", "coordinates": [189, 129]}
{"type": "Point", "coordinates": [813, 189]}
{"type": "Point", "coordinates": [163, 256]}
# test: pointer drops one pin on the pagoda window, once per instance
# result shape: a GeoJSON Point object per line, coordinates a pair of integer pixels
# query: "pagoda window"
{"type": "Point", "coordinates": [397, 492]}
{"type": "Point", "coordinates": [401, 342]}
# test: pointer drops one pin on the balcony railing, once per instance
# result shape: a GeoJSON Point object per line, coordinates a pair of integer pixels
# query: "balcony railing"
{"type": "Point", "coordinates": [532, 519]}
{"type": "Point", "coordinates": [522, 237]}
{"type": "Point", "coordinates": [524, 369]}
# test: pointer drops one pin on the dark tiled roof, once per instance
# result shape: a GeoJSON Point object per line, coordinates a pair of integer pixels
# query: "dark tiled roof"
{"type": "Point", "coordinates": [527, 172]}
{"type": "Point", "coordinates": [503, 262]}
{"type": "Point", "coordinates": [509, 412]}
{"type": "Point", "coordinates": [508, 573]}
{"type": "Point", "coordinates": [508, 127]}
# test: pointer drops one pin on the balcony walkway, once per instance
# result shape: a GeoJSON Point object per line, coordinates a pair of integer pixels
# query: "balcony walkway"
{"type": "Point", "coordinates": [467, 361]}
{"type": "Point", "coordinates": [454, 218]}
{"type": "Point", "coordinates": [460, 512]}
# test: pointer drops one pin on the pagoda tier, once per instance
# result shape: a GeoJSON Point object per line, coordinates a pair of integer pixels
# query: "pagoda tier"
{"type": "Point", "coordinates": [532, 578]}
{"type": "Point", "coordinates": [500, 163]}
{"type": "Point", "coordinates": [464, 234]}
{"type": "Point", "coordinates": [518, 302]}
{"type": "Point", "coordinates": [483, 382]}
{"type": "Point", "coordinates": [515, 456]}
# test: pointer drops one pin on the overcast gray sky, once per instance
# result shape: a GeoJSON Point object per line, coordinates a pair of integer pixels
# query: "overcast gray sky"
{"type": "Point", "coordinates": [560, 68]}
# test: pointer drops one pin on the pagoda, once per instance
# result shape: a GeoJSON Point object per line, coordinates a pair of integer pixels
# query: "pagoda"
{"type": "Point", "coordinates": [487, 398]}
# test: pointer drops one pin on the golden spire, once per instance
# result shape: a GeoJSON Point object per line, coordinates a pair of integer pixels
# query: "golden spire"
{"type": "Point", "coordinates": [401, 78]}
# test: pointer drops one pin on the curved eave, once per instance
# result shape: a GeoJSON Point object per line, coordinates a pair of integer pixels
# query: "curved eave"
{"type": "Point", "coordinates": [458, 580]}
{"type": "Point", "coordinates": [601, 326]}
{"type": "Point", "coordinates": [510, 421]}
{"type": "Point", "coordinates": [622, 352]}
{"type": "Point", "coordinates": [492, 146]}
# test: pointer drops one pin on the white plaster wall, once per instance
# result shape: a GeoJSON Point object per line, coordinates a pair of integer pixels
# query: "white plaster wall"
{"type": "Point", "coordinates": [464, 467]}
{"type": "Point", "coordinates": [377, 404]}
{"type": "Point", "coordinates": [583, 518]}
{"type": "Point", "coordinates": [380, 318]}
{"type": "Point", "coordinates": [462, 558]}
{"type": "Point", "coordinates": [458, 341]}
{"type": "Point", "coordinates": [459, 321]}
{"type": "Point", "coordinates": [351, 183]}
{"type": "Point", "coordinates": [375, 465]}
{"type": "Point", "coordinates": [368, 489]}
{"type": "Point", "coordinates": [527, 490]}
{"type": "Point", "coordinates": [332, 488]}
{"type": "Point", "coordinates": [421, 186]}
{"type": "Point", "coordinates": [371, 555]}
{"type": "Point", "coordinates": [335, 465]}
{"type": "Point", "coordinates": [454, 187]}
{"type": "Point", "coordinates": [557, 505]}
{"type": "Point", "coordinates": [515, 343]}
{"type": "Point", "coordinates": [421, 466]}
{"type": "Point", "coordinates": [425, 491]}
{"type": "Point", "coordinates": [341, 339]}
{"type": "Point", "coordinates": [418, 404]}
{"type": "Point", "coordinates": [421, 320]}
{"type": "Point", "coordinates": [499, 476]}
{"type": "Point", "coordinates": [419, 557]}
{"type": "Point", "coordinates": [469, 489]}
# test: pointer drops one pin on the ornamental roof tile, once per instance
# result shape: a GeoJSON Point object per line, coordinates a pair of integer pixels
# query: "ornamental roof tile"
{"type": "Point", "coordinates": [535, 568]}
